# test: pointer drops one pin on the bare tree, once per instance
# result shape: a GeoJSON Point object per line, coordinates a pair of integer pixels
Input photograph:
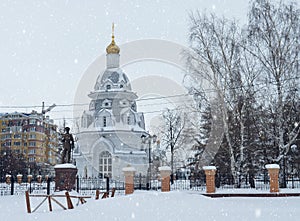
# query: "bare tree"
{"type": "Point", "coordinates": [274, 36]}
{"type": "Point", "coordinates": [174, 124]}
{"type": "Point", "coordinates": [215, 43]}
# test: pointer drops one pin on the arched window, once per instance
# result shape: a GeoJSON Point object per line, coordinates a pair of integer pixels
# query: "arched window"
{"type": "Point", "coordinates": [104, 121]}
{"type": "Point", "coordinates": [105, 164]}
{"type": "Point", "coordinates": [128, 120]}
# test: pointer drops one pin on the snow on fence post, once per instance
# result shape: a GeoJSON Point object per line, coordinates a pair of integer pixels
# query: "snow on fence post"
{"type": "Point", "coordinates": [129, 179]}
{"type": "Point", "coordinates": [29, 178]}
{"type": "Point", "coordinates": [39, 178]}
{"type": "Point", "coordinates": [165, 173]}
{"type": "Point", "coordinates": [273, 170]}
{"type": "Point", "coordinates": [210, 172]}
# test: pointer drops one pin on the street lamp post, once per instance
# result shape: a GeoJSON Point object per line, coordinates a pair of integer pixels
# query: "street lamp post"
{"type": "Point", "coordinates": [149, 140]}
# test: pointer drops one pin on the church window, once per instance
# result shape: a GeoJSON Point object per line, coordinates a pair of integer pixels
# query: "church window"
{"type": "Point", "coordinates": [104, 121]}
{"type": "Point", "coordinates": [124, 103]}
{"type": "Point", "coordinates": [32, 121]}
{"type": "Point", "coordinates": [128, 119]}
{"type": "Point", "coordinates": [105, 164]}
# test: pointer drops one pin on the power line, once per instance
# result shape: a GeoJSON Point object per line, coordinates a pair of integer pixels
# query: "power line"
{"type": "Point", "coordinates": [142, 99]}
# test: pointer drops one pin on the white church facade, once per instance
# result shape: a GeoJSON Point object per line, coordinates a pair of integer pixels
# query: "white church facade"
{"type": "Point", "coordinates": [111, 129]}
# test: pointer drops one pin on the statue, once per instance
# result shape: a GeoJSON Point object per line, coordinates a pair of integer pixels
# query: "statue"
{"type": "Point", "coordinates": [68, 146]}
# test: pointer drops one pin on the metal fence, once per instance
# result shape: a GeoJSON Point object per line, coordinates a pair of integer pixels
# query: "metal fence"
{"type": "Point", "coordinates": [20, 189]}
{"type": "Point", "coordinates": [88, 186]}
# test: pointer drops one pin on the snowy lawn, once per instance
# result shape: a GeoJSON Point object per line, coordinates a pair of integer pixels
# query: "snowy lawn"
{"type": "Point", "coordinates": [153, 205]}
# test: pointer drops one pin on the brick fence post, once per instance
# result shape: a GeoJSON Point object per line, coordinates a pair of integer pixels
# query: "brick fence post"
{"type": "Point", "coordinates": [129, 179]}
{"type": "Point", "coordinates": [19, 178]}
{"type": "Point", "coordinates": [165, 173]}
{"type": "Point", "coordinates": [8, 179]}
{"type": "Point", "coordinates": [273, 170]}
{"type": "Point", "coordinates": [210, 172]}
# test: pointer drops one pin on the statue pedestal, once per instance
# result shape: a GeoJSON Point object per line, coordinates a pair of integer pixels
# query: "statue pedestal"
{"type": "Point", "coordinates": [65, 177]}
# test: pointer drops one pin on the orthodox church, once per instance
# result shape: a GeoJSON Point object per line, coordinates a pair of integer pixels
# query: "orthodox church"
{"type": "Point", "coordinates": [111, 129]}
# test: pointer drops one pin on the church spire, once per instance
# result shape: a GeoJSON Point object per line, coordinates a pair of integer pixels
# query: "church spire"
{"type": "Point", "coordinates": [112, 48]}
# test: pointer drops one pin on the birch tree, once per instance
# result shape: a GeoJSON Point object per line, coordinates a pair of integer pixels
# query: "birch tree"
{"type": "Point", "coordinates": [274, 36]}
{"type": "Point", "coordinates": [215, 42]}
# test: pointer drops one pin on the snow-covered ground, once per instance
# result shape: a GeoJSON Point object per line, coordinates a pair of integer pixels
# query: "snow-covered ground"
{"type": "Point", "coordinates": [143, 205]}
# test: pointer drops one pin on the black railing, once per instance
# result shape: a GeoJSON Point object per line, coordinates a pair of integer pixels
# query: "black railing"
{"type": "Point", "coordinates": [88, 186]}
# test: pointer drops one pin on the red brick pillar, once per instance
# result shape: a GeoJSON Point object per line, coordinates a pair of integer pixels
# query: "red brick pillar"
{"type": "Point", "coordinates": [65, 177]}
{"type": "Point", "coordinates": [165, 173]}
{"type": "Point", "coordinates": [39, 178]}
{"type": "Point", "coordinates": [19, 178]}
{"type": "Point", "coordinates": [8, 179]}
{"type": "Point", "coordinates": [210, 172]}
{"type": "Point", "coordinates": [129, 179]}
{"type": "Point", "coordinates": [29, 178]}
{"type": "Point", "coordinates": [273, 170]}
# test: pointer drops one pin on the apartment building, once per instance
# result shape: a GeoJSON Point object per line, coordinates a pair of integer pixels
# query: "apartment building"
{"type": "Point", "coordinates": [31, 134]}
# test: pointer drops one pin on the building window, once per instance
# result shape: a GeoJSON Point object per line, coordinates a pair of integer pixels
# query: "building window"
{"type": "Point", "coordinates": [17, 151]}
{"type": "Point", "coordinates": [105, 164]}
{"type": "Point", "coordinates": [32, 136]}
{"type": "Point", "coordinates": [17, 136]}
{"type": "Point", "coordinates": [108, 87]}
{"type": "Point", "coordinates": [32, 144]}
{"type": "Point", "coordinates": [31, 151]}
{"type": "Point", "coordinates": [32, 129]}
{"type": "Point", "coordinates": [32, 121]}
{"type": "Point", "coordinates": [17, 143]}
{"type": "Point", "coordinates": [104, 121]}
{"type": "Point", "coordinates": [128, 119]}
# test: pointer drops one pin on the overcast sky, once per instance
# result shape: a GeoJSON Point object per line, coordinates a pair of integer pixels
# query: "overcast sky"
{"type": "Point", "coordinates": [45, 46]}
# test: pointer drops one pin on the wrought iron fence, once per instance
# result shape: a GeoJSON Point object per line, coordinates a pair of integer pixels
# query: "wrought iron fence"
{"type": "Point", "coordinates": [19, 189]}
{"type": "Point", "coordinates": [88, 186]}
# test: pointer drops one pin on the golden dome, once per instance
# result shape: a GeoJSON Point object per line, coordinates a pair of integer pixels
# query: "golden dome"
{"type": "Point", "coordinates": [112, 48]}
